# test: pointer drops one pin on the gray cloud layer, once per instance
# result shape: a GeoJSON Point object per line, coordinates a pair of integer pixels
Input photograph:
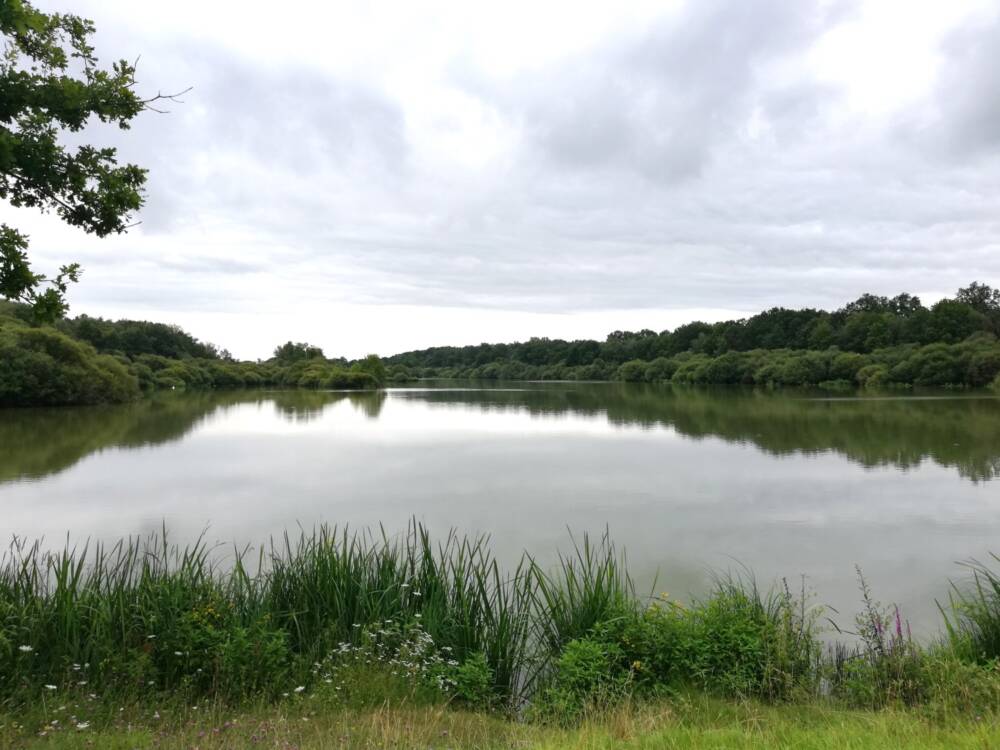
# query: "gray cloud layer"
{"type": "Point", "coordinates": [692, 163]}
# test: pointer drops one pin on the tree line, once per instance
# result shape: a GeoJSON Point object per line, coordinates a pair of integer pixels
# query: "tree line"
{"type": "Point", "coordinates": [874, 340]}
{"type": "Point", "coordinates": [91, 361]}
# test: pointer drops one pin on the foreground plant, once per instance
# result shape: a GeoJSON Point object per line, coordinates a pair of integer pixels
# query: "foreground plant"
{"type": "Point", "coordinates": [368, 616]}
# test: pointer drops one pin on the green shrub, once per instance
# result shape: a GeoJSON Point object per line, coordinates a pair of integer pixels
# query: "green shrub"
{"type": "Point", "coordinates": [984, 368]}
{"type": "Point", "coordinates": [633, 371]}
{"type": "Point", "coordinates": [660, 370]}
{"type": "Point", "coordinates": [872, 376]}
{"type": "Point", "coordinates": [845, 366]}
{"type": "Point", "coordinates": [42, 367]}
{"type": "Point", "coordinates": [473, 682]}
{"type": "Point", "coordinates": [953, 687]}
{"type": "Point", "coordinates": [587, 675]}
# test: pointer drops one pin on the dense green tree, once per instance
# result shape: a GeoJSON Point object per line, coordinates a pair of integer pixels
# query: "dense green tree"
{"type": "Point", "coordinates": [42, 367]}
{"type": "Point", "coordinates": [821, 333]}
{"type": "Point", "coordinates": [980, 297]}
{"type": "Point", "coordinates": [870, 324]}
{"type": "Point", "coordinates": [296, 352]}
{"type": "Point", "coordinates": [53, 85]}
{"type": "Point", "coordinates": [371, 365]}
{"type": "Point", "coordinates": [135, 337]}
{"type": "Point", "coordinates": [951, 321]}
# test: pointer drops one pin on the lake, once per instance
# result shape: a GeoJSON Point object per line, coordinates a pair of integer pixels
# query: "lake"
{"type": "Point", "coordinates": [690, 482]}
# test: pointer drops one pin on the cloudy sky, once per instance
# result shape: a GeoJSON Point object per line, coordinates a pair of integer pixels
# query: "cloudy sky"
{"type": "Point", "coordinates": [380, 176]}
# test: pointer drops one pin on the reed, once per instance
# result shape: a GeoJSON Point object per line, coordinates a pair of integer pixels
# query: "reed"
{"type": "Point", "coordinates": [972, 617]}
{"type": "Point", "coordinates": [147, 614]}
{"type": "Point", "coordinates": [143, 616]}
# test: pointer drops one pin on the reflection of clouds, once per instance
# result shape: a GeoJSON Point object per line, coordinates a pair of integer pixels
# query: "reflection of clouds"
{"type": "Point", "coordinates": [683, 495]}
{"type": "Point", "coordinates": [679, 506]}
{"type": "Point", "coordinates": [35, 443]}
{"type": "Point", "coordinates": [890, 432]}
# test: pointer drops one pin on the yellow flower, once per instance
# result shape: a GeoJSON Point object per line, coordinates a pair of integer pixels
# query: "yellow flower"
{"type": "Point", "coordinates": [637, 665]}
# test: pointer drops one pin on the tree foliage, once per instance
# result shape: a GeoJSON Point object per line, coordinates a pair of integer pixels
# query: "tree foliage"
{"type": "Point", "coordinates": [865, 326]}
{"type": "Point", "coordinates": [89, 360]}
{"type": "Point", "coordinates": [53, 85]}
{"type": "Point", "coordinates": [41, 367]}
{"type": "Point", "coordinates": [290, 352]}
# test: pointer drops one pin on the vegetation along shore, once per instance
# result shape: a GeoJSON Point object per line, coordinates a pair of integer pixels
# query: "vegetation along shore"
{"type": "Point", "coordinates": [436, 633]}
{"type": "Point", "coordinates": [872, 342]}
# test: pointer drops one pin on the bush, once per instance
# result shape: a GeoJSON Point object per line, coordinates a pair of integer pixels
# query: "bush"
{"type": "Point", "coordinates": [587, 674]}
{"type": "Point", "coordinates": [660, 369]}
{"type": "Point", "coordinates": [845, 366]}
{"type": "Point", "coordinates": [872, 376]}
{"type": "Point", "coordinates": [473, 682]}
{"type": "Point", "coordinates": [984, 368]}
{"type": "Point", "coordinates": [633, 371]}
{"type": "Point", "coordinates": [42, 367]}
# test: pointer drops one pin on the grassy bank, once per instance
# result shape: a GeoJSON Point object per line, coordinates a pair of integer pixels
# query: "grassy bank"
{"type": "Point", "coordinates": [316, 723]}
{"type": "Point", "coordinates": [355, 622]}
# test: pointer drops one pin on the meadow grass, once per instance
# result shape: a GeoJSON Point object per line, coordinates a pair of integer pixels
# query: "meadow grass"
{"type": "Point", "coordinates": [686, 721]}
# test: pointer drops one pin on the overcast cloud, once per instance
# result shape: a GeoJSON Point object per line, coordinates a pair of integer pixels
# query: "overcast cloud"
{"type": "Point", "coordinates": [379, 177]}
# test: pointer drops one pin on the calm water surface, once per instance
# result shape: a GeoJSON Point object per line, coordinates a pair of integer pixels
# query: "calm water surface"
{"type": "Point", "coordinates": [688, 481]}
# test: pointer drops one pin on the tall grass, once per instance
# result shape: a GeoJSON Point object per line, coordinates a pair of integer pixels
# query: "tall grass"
{"type": "Point", "coordinates": [972, 618]}
{"type": "Point", "coordinates": [145, 616]}
{"type": "Point", "coordinates": [585, 589]}
{"type": "Point", "coordinates": [142, 613]}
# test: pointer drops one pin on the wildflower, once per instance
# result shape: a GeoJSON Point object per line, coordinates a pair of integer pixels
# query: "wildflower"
{"type": "Point", "coordinates": [300, 688]}
{"type": "Point", "coordinates": [83, 725]}
{"type": "Point", "coordinates": [25, 649]}
{"type": "Point", "coordinates": [178, 653]}
{"type": "Point", "coordinates": [50, 687]}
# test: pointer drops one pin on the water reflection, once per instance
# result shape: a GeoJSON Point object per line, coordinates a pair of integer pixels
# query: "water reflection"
{"type": "Point", "coordinates": [688, 480]}
{"type": "Point", "coordinates": [35, 443]}
{"type": "Point", "coordinates": [305, 406]}
{"type": "Point", "coordinates": [958, 431]}
{"type": "Point", "coordinates": [953, 430]}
